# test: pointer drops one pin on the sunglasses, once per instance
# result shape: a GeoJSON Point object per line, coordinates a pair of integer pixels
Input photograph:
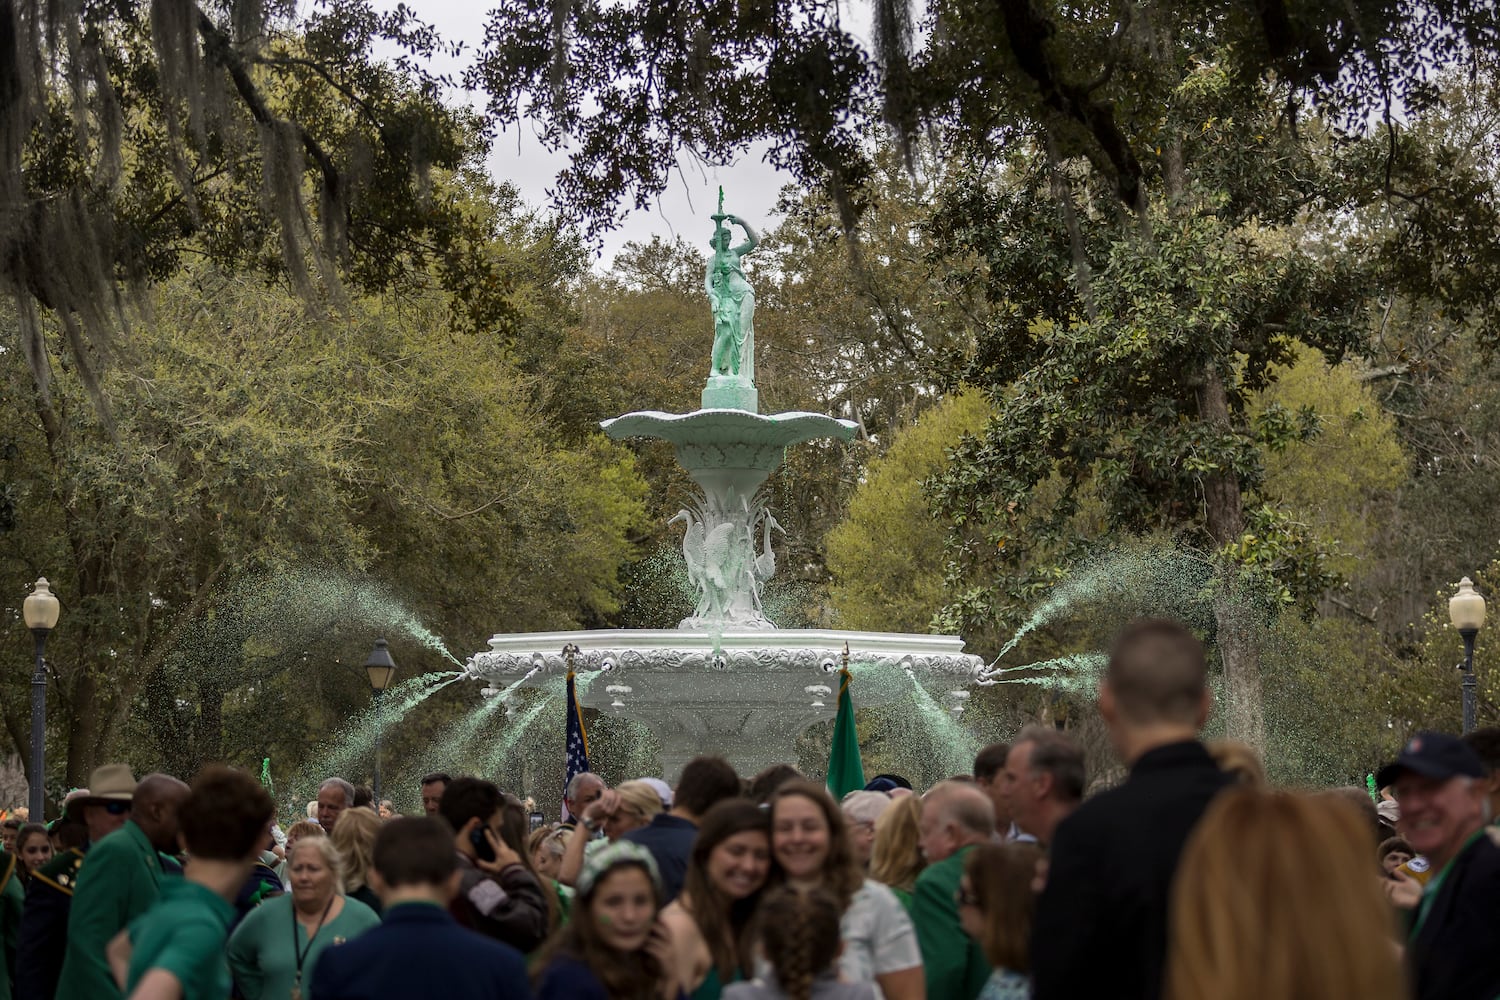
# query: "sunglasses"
{"type": "Point", "coordinates": [117, 808]}
{"type": "Point", "coordinates": [965, 897]}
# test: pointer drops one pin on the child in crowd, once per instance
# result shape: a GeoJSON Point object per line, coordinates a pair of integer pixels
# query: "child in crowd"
{"type": "Point", "coordinates": [996, 907]}
{"type": "Point", "coordinates": [800, 941]}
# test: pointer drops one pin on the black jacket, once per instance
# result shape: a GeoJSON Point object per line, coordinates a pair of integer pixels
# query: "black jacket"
{"type": "Point", "coordinates": [1101, 924]}
{"type": "Point", "coordinates": [510, 907]}
{"type": "Point", "coordinates": [1454, 955]}
{"type": "Point", "coordinates": [44, 927]}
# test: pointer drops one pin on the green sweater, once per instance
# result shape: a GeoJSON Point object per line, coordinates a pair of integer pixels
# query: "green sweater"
{"type": "Point", "coordinates": [954, 965]}
{"type": "Point", "coordinates": [260, 949]}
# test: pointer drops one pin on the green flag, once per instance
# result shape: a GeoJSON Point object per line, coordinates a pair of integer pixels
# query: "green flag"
{"type": "Point", "coordinates": [845, 772]}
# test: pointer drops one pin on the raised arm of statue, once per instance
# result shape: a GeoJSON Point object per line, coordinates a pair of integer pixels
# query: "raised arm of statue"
{"type": "Point", "coordinates": [752, 238]}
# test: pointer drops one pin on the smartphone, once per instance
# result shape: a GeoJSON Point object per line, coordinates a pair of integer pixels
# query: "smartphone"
{"type": "Point", "coordinates": [538, 821]}
{"type": "Point", "coordinates": [482, 847]}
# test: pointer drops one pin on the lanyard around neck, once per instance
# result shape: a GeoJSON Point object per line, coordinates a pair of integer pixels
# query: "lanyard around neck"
{"type": "Point", "coordinates": [297, 948]}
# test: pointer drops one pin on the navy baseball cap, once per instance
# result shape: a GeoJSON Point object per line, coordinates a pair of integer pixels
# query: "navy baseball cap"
{"type": "Point", "coordinates": [1433, 755]}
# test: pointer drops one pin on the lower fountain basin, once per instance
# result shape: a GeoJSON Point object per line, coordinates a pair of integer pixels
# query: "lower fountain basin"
{"type": "Point", "coordinates": [746, 695]}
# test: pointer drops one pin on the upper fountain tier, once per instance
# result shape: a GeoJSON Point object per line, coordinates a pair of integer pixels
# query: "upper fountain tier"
{"type": "Point", "coordinates": [727, 680]}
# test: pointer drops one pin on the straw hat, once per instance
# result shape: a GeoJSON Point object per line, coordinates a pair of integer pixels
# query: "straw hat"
{"type": "Point", "coordinates": [108, 783]}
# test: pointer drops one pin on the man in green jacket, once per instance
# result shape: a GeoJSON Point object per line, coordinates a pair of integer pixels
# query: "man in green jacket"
{"type": "Point", "coordinates": [956, 816]}
{"type": "Point", "coordinates": [118, 881]}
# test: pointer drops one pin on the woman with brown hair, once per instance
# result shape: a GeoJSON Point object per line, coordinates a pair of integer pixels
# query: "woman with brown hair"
{"type": "Point", "coordinates": [996, 905]}
{"type": "Point", "coordinates": [615, 945]}
{"type": "Point", "coordinates": [811, 845]}
{"type": "Point", "coordinates": [712, 920]}
{"type": "Point", "coordinates": [33, 849]}
{"type": "Point", "coordinates": [896, 859]}
{"type": "Point", "coordinates": [354, 838]}
{"type": "Point", "coordinates": [1274, 898]}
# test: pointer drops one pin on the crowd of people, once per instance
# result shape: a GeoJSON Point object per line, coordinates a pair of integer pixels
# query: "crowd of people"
{"type": "Point", "coordinates": [1191, 879]}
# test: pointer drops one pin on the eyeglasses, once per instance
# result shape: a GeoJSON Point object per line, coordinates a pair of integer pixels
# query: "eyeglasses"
{"type": "Point", "coordinates": [965, 897]}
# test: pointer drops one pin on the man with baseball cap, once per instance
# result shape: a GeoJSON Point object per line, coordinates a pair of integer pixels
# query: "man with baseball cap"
{"type": "Point", "coordinates": [1439, 783]}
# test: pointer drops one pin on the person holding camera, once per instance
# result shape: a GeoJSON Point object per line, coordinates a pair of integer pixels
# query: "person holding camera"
{"type": "Point", "coordinates": [498, 895]}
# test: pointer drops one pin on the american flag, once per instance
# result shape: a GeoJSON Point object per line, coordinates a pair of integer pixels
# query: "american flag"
{"type": "Point", "coordinates": [578, 743]}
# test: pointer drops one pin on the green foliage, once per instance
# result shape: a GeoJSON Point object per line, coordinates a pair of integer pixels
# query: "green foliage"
{"type": "Point", "coordinates": [887, 555]}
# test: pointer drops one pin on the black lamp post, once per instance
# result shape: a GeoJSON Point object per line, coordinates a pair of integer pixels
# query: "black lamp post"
{"type": "Point", "coordinates": [381, 669]}
{"type": "Point", "coordinates": [40, 611]}
{"type": "Point", "coordinates": [1466, 611]}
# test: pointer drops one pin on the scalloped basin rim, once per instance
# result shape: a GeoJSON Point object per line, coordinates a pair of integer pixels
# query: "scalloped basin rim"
{"type": "Point", "coordinates": [800, 424]}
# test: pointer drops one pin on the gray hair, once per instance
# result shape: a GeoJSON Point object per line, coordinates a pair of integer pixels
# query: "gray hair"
{"type": "Point", "coordinates": [579, 780]}
{"type": "Point", "coordinates": [865, 807]}
{"type": "Point", "coordinates": [1056, 753]}
{"type": "Point", "coordinates": [557, 842]}
{"type": "Point", "coordinates": [342, 786]}
{"type": "Point", "coordinates": [329, 853]}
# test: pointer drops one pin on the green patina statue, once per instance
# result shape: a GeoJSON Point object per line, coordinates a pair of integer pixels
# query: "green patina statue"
{"type": "Point", "coordinates": [732, 299]}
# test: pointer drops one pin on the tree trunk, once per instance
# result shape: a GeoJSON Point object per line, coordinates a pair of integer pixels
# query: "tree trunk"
{"type": "Point", "coordinates": [1225, 516]}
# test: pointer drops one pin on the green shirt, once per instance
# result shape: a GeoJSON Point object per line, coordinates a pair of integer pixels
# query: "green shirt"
{"type": "Point", "coordinates": [120, 878]}
{"type": "Point", "coordinates": [261, 955]}
{"type": "Point", "coordinates": [184, 934]}
{"type": "Point", "coordinates": [954, 966]}
{"type": "Point", "coordinates": [12, 896]}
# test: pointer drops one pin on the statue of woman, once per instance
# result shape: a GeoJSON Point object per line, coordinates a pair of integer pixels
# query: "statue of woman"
{"type": "Point", "coordinates": [733, 301]}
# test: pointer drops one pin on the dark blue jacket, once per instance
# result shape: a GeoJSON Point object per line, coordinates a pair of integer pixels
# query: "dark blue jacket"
{"type": "Point", "coordinates": [420, 951]}
{"type": "Point", "coordinates": [670, 840]}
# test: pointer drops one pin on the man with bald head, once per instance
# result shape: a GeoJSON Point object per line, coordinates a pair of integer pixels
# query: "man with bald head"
{"type": "Point", "coordinates": [118, 881]}
{"type": "Point", "coordinates": [1101, 923]}
{"type": "Point", "coordinates": [956, 816]}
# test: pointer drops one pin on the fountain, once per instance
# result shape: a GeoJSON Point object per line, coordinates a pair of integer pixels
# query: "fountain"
{"type": "Point", "coordinates": [727, 680]}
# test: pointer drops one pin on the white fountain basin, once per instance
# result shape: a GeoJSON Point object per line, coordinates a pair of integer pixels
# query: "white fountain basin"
{"type": "Point", "coordinates": [746, 695]}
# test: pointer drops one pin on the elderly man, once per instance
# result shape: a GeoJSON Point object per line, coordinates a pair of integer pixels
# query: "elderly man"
{"type": "Point", "coordinates": [120, 879]}
{"type": "Point", "coordinates": [585, 788]}
{"type": "Point", "coordinates": [1042, 781]}
{"type": "Point", "coordinates": [1440, 783]}
{"type": "Point", "coordinates": [956, 816]}
{"type": "Point", "coordinates": [1101, 923]}
{"type": "Point", "coordinates": [334, 796]}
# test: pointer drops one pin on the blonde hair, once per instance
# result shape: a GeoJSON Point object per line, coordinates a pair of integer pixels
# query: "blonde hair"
{"type": "Point", "coordinates": [896, 859]}
{"type": "Point", "coordinates": [1274, 898]}
{"type": "Point", "coordinates": [305, 828]}
{"type": "Point", "coordinates": [327, 851]}
{"type": "Point", "coordinates": [640, 798]}
{"type": "Point", "coordinates": [354, 838]}
{"type": "Point", "coordinates": [1240, 761]}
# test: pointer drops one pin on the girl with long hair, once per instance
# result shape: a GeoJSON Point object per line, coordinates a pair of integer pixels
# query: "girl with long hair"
{"type": "Point", "coordinates": [996, 906]}
{"type": "Point", "coordinates": [712, 921]}
{"type": "Point", "coordinates": [615, 945]}
{"type": "Point", "coordinates": [810, 843]}
{"type": "Point", "coordinates": [33, 849]}
{"type": "Point", "coordinates": [1272, 873]}
{"type": "Point", "coordinates": [800, 940]}
{"type": "Point", "coordinates": [896, 860]}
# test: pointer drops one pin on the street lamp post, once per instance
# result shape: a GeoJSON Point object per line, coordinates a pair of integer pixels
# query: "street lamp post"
{"type": "Point", "coordinates": [40, 611]}
{"type": "Point", "coordinates": [381, 669]}
{"type": "Point", "coordinates": [1466, 610]}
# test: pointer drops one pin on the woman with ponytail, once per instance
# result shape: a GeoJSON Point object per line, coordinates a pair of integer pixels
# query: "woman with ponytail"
{"type": "Point", "coordinates": [799, 939]}
{"type": "Point", "coordinates": [712, 920]}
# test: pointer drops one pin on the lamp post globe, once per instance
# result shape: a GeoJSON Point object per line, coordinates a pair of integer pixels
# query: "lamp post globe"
{"type": "Point", "coordinates": [380, 668]}
{"type": "Point", "coordinates": [40, 611]}
{"type": "Point", "coordinates": [1466, 612]}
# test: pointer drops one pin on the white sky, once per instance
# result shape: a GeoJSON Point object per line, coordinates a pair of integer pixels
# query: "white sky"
{"type": "Point", "coordinates": [750, 185]}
